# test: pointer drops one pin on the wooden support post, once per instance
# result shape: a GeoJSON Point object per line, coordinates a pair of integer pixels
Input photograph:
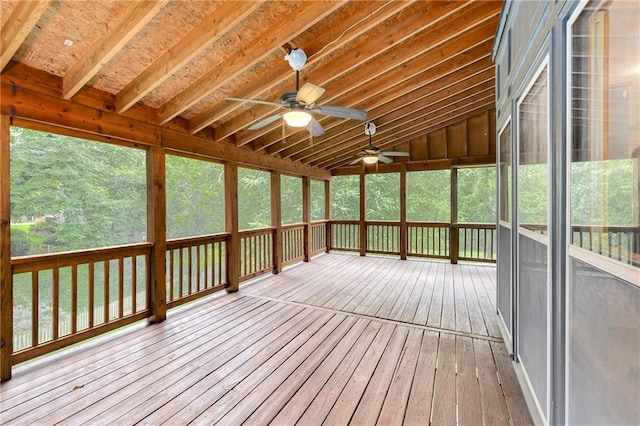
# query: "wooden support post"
{"type": "Point", "coordinates": [454, 236]}
{"type": "Point", "coordinates": [403, 212]}
{"type": "Point", "coordinates": [306, 216]}
{"type": "Point", "coordinates": [327, 214]}
{"type": "Point", "coordinates": [157, 231]}
{"type": "Point", "coordinates": [363, 213]}
{"type": "Point", "coordinates": [276, 220]}
{"type": "Point", "coordinates": [6, 285]}
{"type": "Point", "coordinates": [231, 225]}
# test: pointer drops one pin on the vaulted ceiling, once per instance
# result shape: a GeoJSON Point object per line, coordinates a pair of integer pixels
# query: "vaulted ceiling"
{"type": "Point", "coordinates": [413, 66]}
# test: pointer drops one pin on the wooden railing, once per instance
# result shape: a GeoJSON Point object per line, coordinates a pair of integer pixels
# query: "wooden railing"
{"type": "Point", "coordinates": [292, 243]}
{"type": "Point", "coordinates": [477, 241]}
{"type": "Point", "coordinates": [318, 237]}
{"type": "Point", "coordinates": [621, 243]}
{"type": "Point", "coordinates": [428, 239]}
{"type": "Point", "coordinates": [345, 235]}
{"type": "Point", "coordinates": [77, 295]}
{"type": "Point", "coordinates": [195, 267]}
{"type": "Point", "coordinates": [383, 237]}
{"type": "Point", "coordinates": [256, 252]}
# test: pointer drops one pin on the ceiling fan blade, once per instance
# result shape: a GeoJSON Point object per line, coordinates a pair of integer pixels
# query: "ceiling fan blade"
{"type": "Point", "coordinates": [395, 154]}
{"type": "Point", "coordinates": [309, 93]}
{"type": "Point", "coordinates": [356, 161]}
{"type": "Point", "coordinates": [260, 124]}
{"type": "Point", "coordinates": [384, 159]}
{"type": "Point", "coordinates": [315, 128]}
{"type": "Point", "coordinates": [254, 101]}
{"type": "Point", "coordinates": [340, 112]}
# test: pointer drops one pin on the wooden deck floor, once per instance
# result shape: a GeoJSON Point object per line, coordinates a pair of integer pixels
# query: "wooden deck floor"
{"type": "Point", "coordinates": [339, 340]}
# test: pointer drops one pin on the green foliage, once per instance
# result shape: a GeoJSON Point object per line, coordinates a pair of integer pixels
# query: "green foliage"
{"type": "Point", "coordinates": [20, 243]}
{"type": "Point", "coordinates": [290, 199]}
{"type": "Point", "coordinates": [383, 196]}
{"type": "Point", "coordinates": [345, 197]}
{"type": "Point", "coordinates": [317, 200]}
{"type": "Point", "coordinates": [428, 196]}
{"type": "Point", "coordinates": [195, 197]}
{"type": "Point", "coordinates": [601, 192]}
{"type": "Point", "coordinates": [97, 190]}
{"type": "Point", "coordinates": [532, 193]}
{"type": "Point", "coordinates": [477, 195]}
{"type": "Point", "coordinates": [254, 198]}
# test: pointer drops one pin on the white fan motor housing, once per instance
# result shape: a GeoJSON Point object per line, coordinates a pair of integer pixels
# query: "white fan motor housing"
{"type": "Point", "coordinates": [369, 129]}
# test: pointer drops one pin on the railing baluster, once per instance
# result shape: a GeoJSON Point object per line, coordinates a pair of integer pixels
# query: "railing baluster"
{"type": "Point", "coordinates": [106, 292]}
{"type": "Point", "coordinates": [74, 298]}
{"type": "Point", "coordinates": [120, 287]}
{"type": "Point", "coordinates": [35, 305]}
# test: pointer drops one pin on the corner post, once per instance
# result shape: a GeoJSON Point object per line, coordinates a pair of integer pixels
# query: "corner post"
{"type": "Point", "coordinates": [306, 216]}
{"type": "Point", "coordinates": [231, 225]}
{"type": "Point", "coordinates": [157, 231]}
{"type": "Point", "coordinates": [403, 212]}
{"type": "Point", "coordinates": [363, 213]}
{"type": "Point", "coordinates": [454, 231]}
{"type": "Point", "coordinates": [6, 284]}
{"type": "Point", "coordinates": [327, 214]}
{"type": "Point", "coordinates": [276, 220]}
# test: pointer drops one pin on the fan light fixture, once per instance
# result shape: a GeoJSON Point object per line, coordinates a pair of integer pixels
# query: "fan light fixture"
{"type": "Point", "coordinates": [370, 159]}
{"type": "Point", "coordinates": [297, 118]}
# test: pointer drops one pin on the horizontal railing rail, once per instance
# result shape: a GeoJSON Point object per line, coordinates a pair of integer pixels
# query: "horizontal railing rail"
{"type": "Point", "coordinates": [195, 267]}
{"type": "Point", "coordinates": [64, 298]}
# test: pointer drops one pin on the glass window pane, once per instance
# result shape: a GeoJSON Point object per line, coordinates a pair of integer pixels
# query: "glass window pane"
{"type": "Point", "coordinates": [254, 199]}
{"type": "Point", "coordinates": [429, 196]}
{"type": "Point", "coordinates": [291, 199]}
{"type": "Point", "coordinates": [383, 196]}
{"type": "Point", "coordinates": [533, 170]}
{"type": "Point", "coordinates": [195, 197]}
{"type": "Point", "coordinates": [317, 200]}
{"type": "Point", "coordinates": [505, 173]}
{"type": "Point", "coordinates": [605, 126]}
{"type": "Point", "coordinates": [72, 194]}
{"type": "Point", "coordinates": [477, 195]}
{"type": "Point", "coordinates": [345, 197]}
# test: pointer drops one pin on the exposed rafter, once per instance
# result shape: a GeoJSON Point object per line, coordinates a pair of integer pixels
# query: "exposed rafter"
{"type": "Point", "coordinates": [133, 20]}
{"type": "Point", "coordinates": [24, 16]}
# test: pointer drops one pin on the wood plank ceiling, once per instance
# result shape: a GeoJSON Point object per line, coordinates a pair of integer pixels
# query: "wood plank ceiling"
{"type": "Point", "coordinates": [414, 66]}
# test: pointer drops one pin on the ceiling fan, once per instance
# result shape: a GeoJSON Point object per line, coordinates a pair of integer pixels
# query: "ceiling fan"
{"type": "Point", "coordinates": [300, 103]}
{"type": "Point", "coordinates": [371, 154]}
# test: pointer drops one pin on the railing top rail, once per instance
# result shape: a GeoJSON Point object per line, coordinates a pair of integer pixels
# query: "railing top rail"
{"type": "Point", "coordinates": [260, 231]}
{"type": "Point", "coordinates": [197, 240]}
{"type": "Point", "coordinates": [474, 225]}
{"type": "Point", "coordinates": [47, 261]}
{"type": "Point", "coordinates": [292, 226]}
{"type": "Point", "coordinates": [429, 224]}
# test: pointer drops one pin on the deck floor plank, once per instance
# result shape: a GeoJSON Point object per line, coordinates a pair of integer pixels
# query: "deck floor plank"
{"type": "Point", "coordinates": [339, 340]}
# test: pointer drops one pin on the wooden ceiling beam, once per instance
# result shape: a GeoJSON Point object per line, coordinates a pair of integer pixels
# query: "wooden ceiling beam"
{"type": "Point", "coordinates": [134, 18]}
{"type": "Point", "coordinates": [407, 78]}
{"type": "Point", "coordinates": [24, 16]}
{"type": "Point", "coordinates": [198, 146]}
{"type": "Point", "coordinates": [223, 19]}
{"type": "Point", "coordinates": [396, 113]}
{"type": "Point", "coordinates": [427, 118]}
{"type": "Point", "coordinates": [305, 15]}
{"type": "Point", "coordinates": [393, 127]}
{"type": "Point", "coordinates": [341, 73]}
{"type": "Point", "coordinates": [361, 17]}
{"type": "Point", "coordinates": [392, 69]}
{"type": "Point", "coordinates": [420, 128]}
